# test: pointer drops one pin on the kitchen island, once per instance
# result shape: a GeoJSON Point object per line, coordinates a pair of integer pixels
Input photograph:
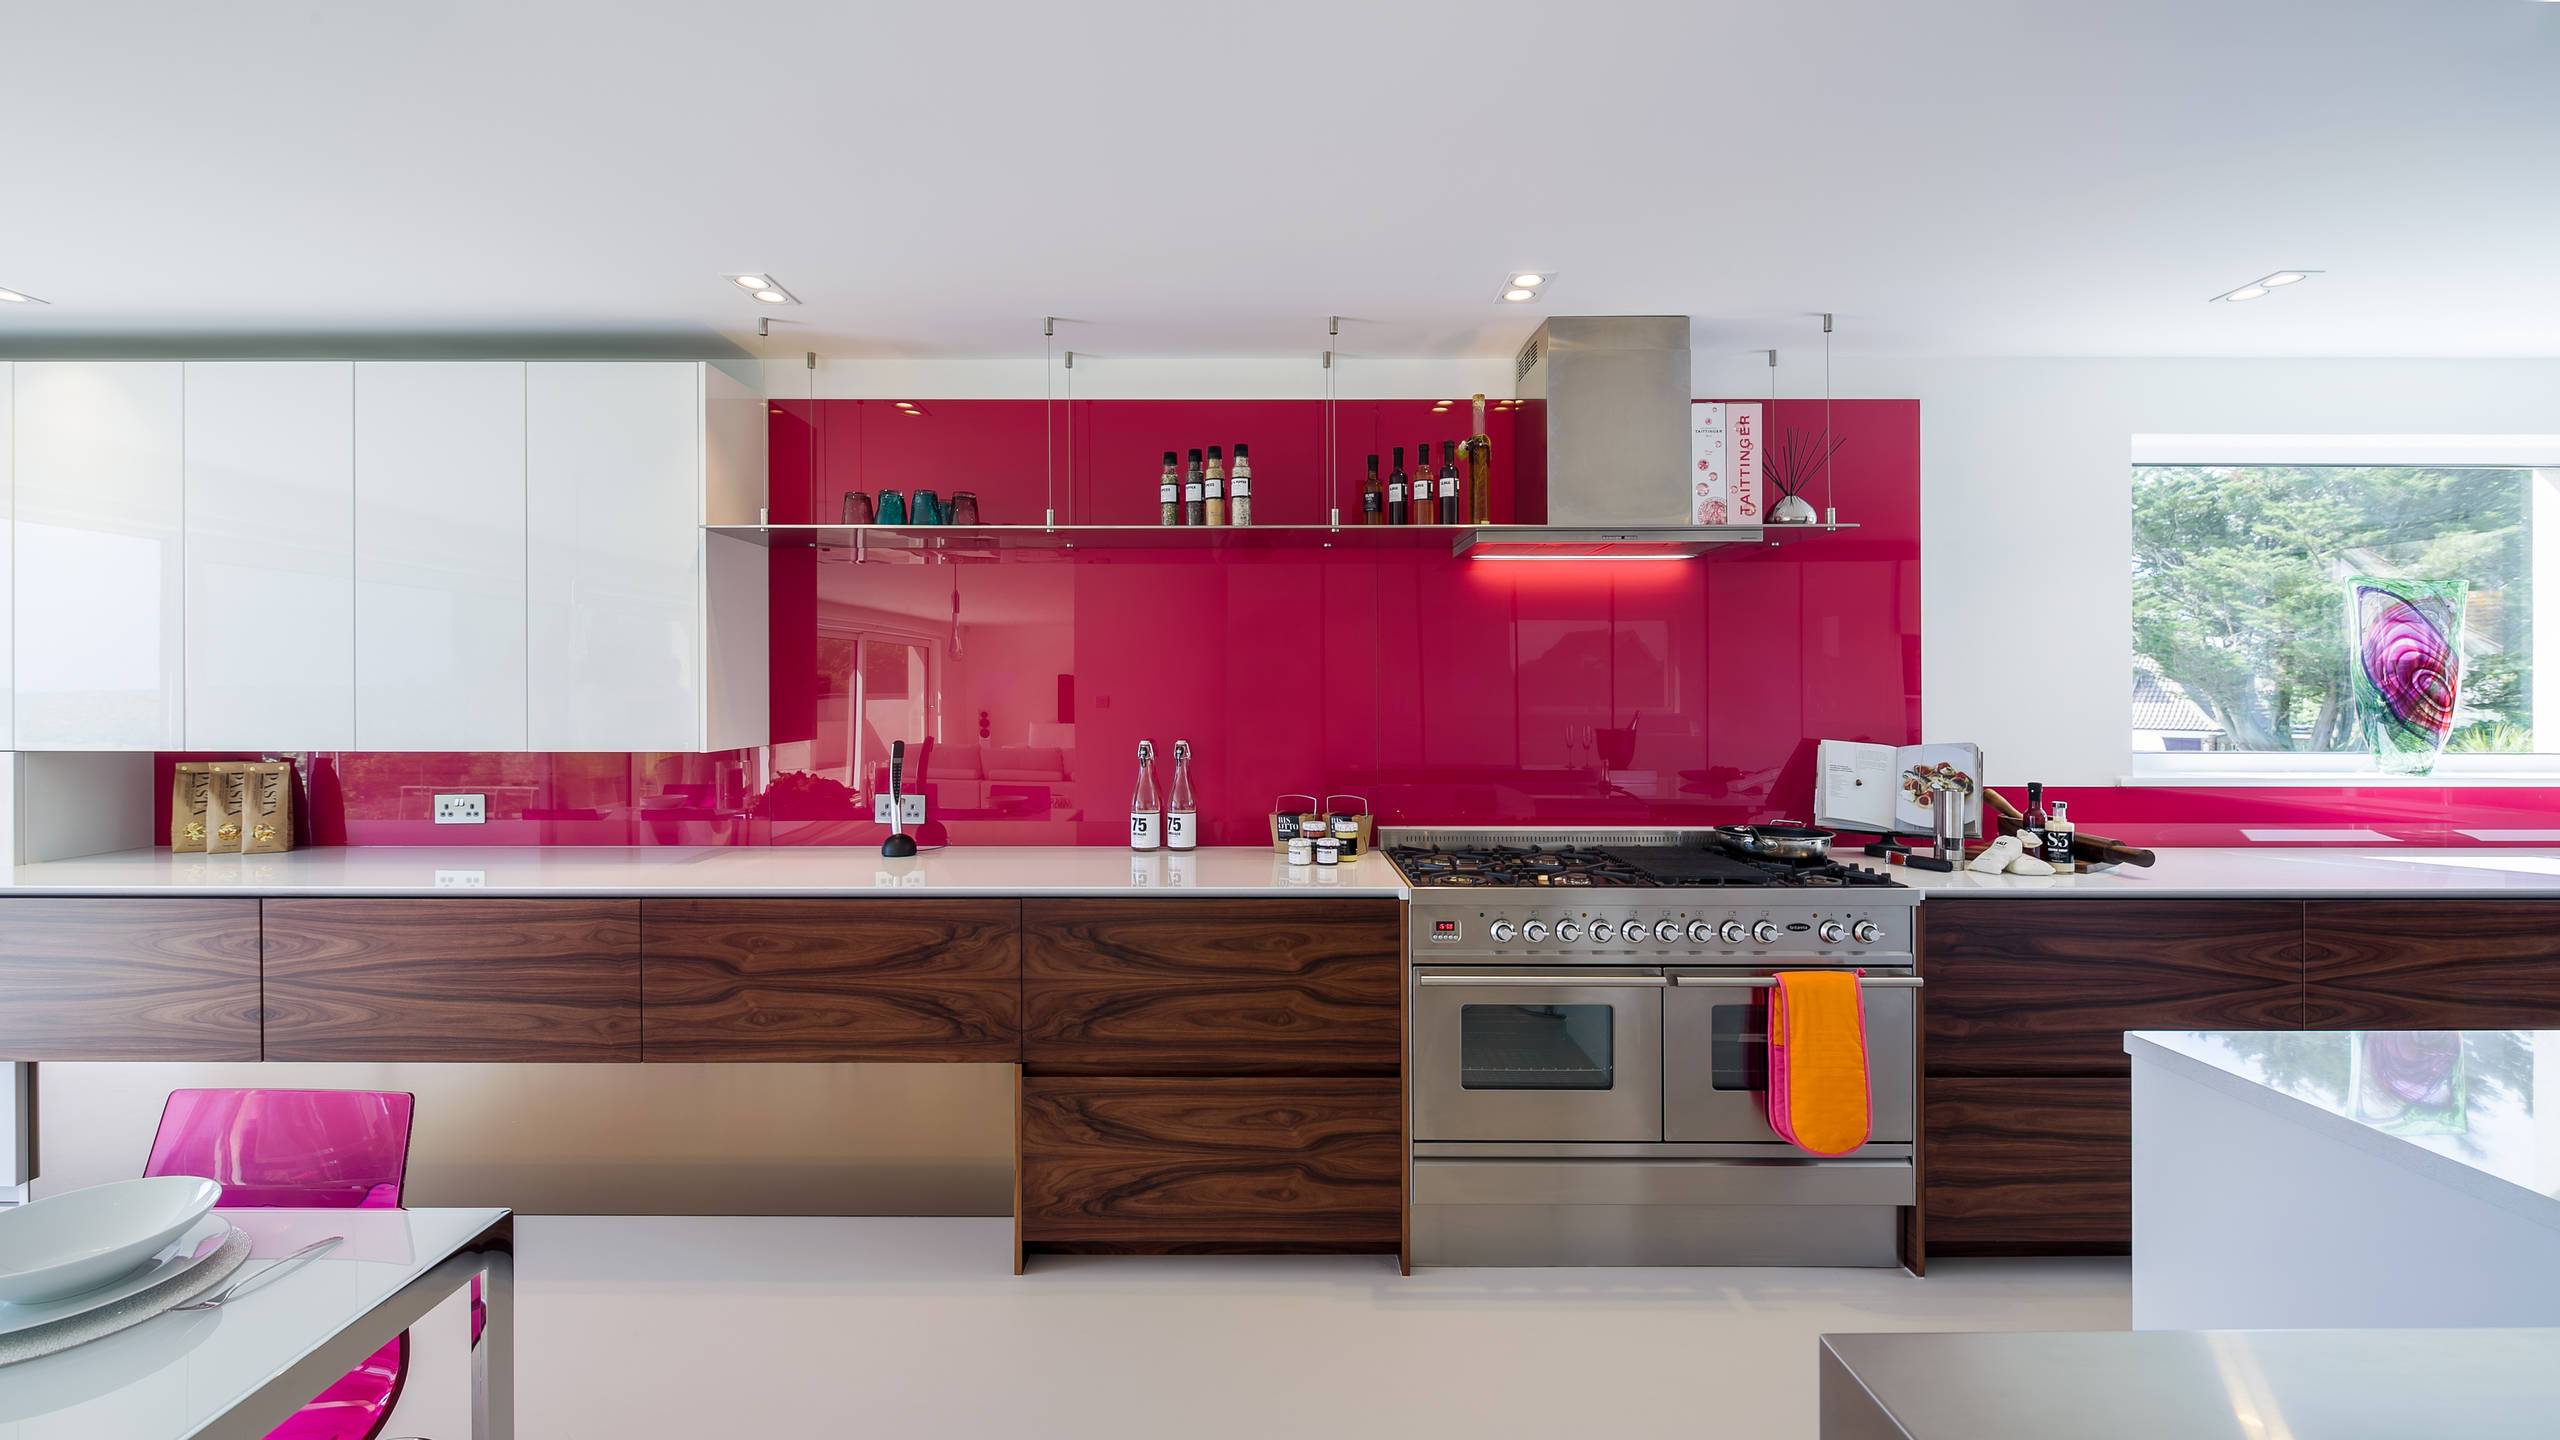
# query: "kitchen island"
{"type": "Point", "coordinates": [2345, 1178]}
{"type": "Point", "coordinates": [2300, 1385]}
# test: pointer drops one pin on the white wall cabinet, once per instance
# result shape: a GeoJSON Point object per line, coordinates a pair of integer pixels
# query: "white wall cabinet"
{"type": "Point", "coordinates": [613, 476]}
{"type": "Point", "coordinates": [270, 524]}
{"type": "Point", "coordinates": [336, 555]}
{"type": "Point", "coordinates": [98, 578]}
{"type": "Point", "coordinates": [440, 555]}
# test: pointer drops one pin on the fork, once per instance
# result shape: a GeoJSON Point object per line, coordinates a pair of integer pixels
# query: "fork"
{"type": "Point", "coordinates": [250, 1284]}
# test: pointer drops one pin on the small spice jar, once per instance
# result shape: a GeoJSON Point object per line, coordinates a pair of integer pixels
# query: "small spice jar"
{"type": "Point", "coordinates": [1302, 850]}
{"type": "Point", "coordinates": [1346, 834]}
{"type": "Point", "coordinates": [1328, 851]}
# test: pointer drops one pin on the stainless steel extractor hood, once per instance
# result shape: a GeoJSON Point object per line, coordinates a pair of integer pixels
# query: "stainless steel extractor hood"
{"type": "Point", "coordinates": [1601, 448]}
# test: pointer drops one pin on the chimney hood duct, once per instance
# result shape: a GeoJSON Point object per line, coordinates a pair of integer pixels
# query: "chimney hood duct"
{"type": "Point", "coordinates": [1601, 443]}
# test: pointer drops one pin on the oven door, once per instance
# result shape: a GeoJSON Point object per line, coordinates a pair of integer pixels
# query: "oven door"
{"type": "Point", "coordinates": [1715, 1041]}
{"type": "Point", "coordinates": [1537, 1056]}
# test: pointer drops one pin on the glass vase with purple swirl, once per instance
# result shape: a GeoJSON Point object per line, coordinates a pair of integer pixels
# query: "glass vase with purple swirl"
{"type": "Point", "coordinates": [2405, 637]}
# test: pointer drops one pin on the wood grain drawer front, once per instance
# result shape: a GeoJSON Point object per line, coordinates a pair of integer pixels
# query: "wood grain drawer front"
{"type": "Point", "coordinates": [2048, 987]}
{"type": "Point", "coordinates": [128, 979]}
{"type": "Point", "coordinates": [1160, 986]}
{"type": "Point", "coordinates": [832, 980]}
{"type": "Point", "coordinates": [2432, 965]}
{"type": "Point", "coordinates": [464, 980]}
{"type": "Point", "coordinates": [2029, 1167]}
{"type": "Point", "coordinates": [1226, 1163]}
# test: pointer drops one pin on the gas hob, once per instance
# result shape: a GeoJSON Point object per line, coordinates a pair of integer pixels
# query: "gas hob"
{"type": "Point", "coordinates": [1642, 898]}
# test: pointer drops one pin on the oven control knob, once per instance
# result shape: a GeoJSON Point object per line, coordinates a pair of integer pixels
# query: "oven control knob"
{"type": "Point", "coordinates": [1534, 931]}
{"type": "Point", "coordinates": [1501, 931]}
{"type": "Point", "coordinates": [1701, 933]}
{"type": "Point", "coordinates": [1865, 932]}
{"type": "Point", "coordinates": [1732, 933]}
{"type": "Point", "coordinates": [1666, 931]}
{"type": "Point", "coordinates": [1568, 931]}
{"type": "Point", "coordinates": [1602, 932]}
{"type": "Point", "coordinates": [1765, 932]}
{"type": "Point", "coordinates": [1832, 932]}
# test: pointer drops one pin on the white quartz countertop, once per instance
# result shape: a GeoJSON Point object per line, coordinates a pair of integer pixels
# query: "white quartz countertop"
{"type": "Point", "coordinates": [2333, 872]}
{"type": "Point", "coordinates": [2361, 872]}
{"type": "Point", "coordinates": [704, 870]}
{"type": "Point", "coordinates": [2456, 1106]}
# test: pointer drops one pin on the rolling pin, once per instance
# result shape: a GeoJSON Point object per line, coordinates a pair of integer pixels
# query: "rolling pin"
{"type": "Point", "coordinates": [2096, 849]}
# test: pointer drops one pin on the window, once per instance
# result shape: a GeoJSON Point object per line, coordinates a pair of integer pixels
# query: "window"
{"type": "Point", "coordinates": [2345, 606]}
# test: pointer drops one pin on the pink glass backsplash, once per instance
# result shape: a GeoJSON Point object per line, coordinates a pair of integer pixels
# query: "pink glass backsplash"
{"type": "Point", "coordinates": [1441, 690]}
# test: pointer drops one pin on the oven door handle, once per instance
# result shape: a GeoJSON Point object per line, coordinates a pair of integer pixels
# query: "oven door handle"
{"type": "Point", "coordinates": [1579, 982]}
{"type": "Point", "coordinates": [1766, 982]}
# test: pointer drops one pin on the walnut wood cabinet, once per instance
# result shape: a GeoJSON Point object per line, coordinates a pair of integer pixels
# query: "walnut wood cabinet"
{"type": "Point", "coordinates": [1165, 986]}
{"type": "Point", "coordinates": [116, 979]}
{"type": "Point", "coordinates": [2432, 964]}
{"type": "Point", "coordinates": [1204, 1074]}
{"type": "Point", "coordinates": [2027, 1146]}
{"type": "Point", "coordinates": [831, 980]}
{"type": "Point", "coordinates": [453, 980]}
{"type": "Point", "coordinates": [1192, 1163]}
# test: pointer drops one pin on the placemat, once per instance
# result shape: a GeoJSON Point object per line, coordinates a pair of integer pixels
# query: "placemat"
{"type": "Point", "coordinates": [130, 1311]}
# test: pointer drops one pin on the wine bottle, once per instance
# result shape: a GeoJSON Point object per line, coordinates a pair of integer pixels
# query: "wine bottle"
{"type": "Point", "coordinates": [1448, 482]}
{"type": "Point", "coordinates": [1240, 490]}
{"type": "Point", "coordinates": [1181, 811]}
{"type": "Point", "coordinates": [1146, 822]}
{"type": "Point", "coordinates": [1169, 493]}
{"type": "Point", "coordinates": [1373, 497]}
{"type": "Point", "coordinates": [1422, 508]}
{"type": "Point", "coordinates": [1479, 471]}
{"type": "Point", "coordinates": [1195, 507]}
{"type": "Point", "coordinates": [1395, 490]}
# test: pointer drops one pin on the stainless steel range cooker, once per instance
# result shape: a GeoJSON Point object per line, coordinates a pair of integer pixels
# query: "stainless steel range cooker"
{"type": "Point", "coordinates": [1588, 1051]}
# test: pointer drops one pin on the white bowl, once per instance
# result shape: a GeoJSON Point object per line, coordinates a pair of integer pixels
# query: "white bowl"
{"type": "Point", "coordinates": [79, 1240]}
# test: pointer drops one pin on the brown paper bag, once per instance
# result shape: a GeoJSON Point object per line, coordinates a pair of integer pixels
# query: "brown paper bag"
{"type": "Point", "coordinates": [227, 806]}
{"type": "Point", "coordinates": [269, 829]}
{"type": "Point", "coordinates": [190, 791]}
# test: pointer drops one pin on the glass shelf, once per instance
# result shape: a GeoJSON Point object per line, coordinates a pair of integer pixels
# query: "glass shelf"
{"type": "Point", "coordinates": [1481, 541]}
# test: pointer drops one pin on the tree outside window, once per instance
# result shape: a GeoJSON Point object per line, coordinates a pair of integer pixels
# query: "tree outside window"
{"type": "Point", "coordinates": [2240, 635]}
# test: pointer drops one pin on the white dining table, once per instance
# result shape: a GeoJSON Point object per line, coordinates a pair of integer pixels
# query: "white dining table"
{"type": "Point", "coordinates": [236, 1372]}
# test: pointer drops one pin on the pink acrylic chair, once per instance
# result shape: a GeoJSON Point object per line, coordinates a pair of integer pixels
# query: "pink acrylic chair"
{"type": "Point", "coordinates": [317, 1149]}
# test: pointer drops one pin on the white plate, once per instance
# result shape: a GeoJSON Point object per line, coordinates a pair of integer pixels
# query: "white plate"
{"type": "Point", "coordinates": [195, 1247]}
{"type": "Point", "coordinates": [68, 1244]}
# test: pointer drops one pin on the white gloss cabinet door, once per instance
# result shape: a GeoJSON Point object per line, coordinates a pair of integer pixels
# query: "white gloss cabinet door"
{"type": "Point", "coordinates": [440, 555]}
{"type": "Point", "coordinates": [98, 577]}
{"type": "Point", "coordinates": [613, 480]}
{"type": "Point", "coordinates": [271, 513]}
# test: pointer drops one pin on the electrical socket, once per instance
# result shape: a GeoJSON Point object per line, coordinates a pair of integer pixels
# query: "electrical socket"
{"type": "Point", "coordinates": [462, 809]}
{"type": "Point", "coordinates": [462, 879]}
{"type": "Point", "coordinates": [910, 809]}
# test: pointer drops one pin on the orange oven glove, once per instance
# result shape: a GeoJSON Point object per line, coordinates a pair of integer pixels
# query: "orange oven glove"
{"type": "Point", "coordinates": [1818, 1061]}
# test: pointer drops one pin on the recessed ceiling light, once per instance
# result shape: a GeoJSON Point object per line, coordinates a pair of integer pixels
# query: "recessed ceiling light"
{"type": "Point", "coordinates": [1516, 295]}
{"type": "Point", "coordinates": [2286, 277]}
{"type": "Point", "coordinates": [1529, 279]}
{"type": "Point", "coordinates": [904, 404]}
{"type": "Point", "coordinates": [13, 297]}
{"type": "Point", "coordinates": [2247, 292]}
{"type": "Point", "coordinates": [764, 287]}
{"type": "Point", "coordinates": [1522, 286]}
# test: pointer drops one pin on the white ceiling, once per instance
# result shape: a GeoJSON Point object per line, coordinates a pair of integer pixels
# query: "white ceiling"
{"type": "Point", "coordinates": [1951, 176]}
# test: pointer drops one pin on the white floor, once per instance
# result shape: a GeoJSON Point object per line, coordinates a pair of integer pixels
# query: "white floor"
{"type": "Point", "coordinates": [638, 1329]}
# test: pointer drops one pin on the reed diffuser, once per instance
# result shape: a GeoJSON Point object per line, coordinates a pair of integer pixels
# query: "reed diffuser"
{"type": "Point", "coordinates": [1793, 462]}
